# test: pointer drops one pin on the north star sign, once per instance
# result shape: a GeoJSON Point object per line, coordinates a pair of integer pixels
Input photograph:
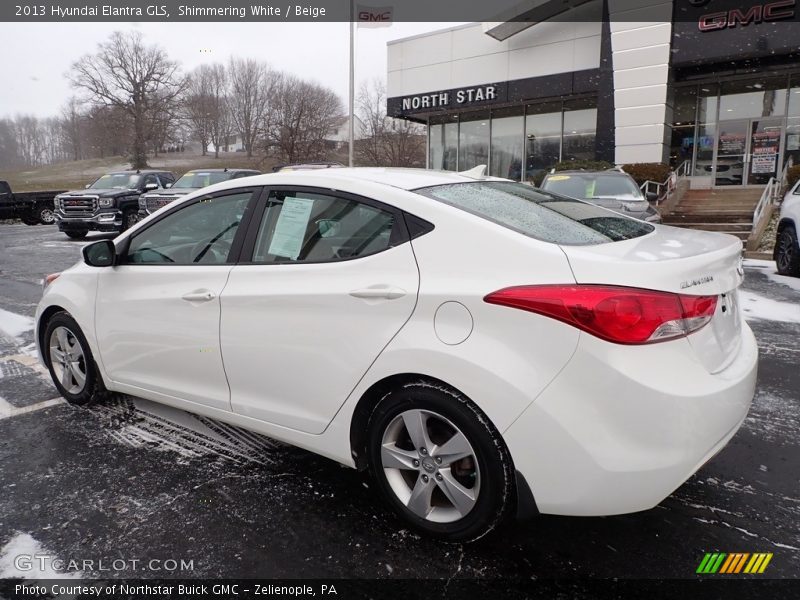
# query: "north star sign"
{"type": "Point", "coordinates": [451, 98]}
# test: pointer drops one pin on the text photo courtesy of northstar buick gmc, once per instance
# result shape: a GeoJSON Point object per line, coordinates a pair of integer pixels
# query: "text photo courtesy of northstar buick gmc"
{"type": "Point", "coordinates": [351, 312]}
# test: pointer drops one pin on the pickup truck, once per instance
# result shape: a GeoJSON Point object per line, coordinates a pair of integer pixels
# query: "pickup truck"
{"type": "Point", "coordinates": [31, 207]}
{"type": "Point", "coordinates": [108, 204]}
{"type": "Point", "coordinates": [191, 181]}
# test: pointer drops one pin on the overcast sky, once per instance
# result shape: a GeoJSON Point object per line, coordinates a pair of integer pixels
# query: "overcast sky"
{"type": "Point", "coordinates": [37, 55]}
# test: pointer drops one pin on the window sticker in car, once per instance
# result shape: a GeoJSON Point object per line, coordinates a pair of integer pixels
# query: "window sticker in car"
{"type": "Point", "coordinates": [291, 227]}
{"type": "Point", "coordinates": [558, 177]}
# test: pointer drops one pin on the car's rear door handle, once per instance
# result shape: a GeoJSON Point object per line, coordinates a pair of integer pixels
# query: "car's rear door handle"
{"type": "Point", "coordinates": [199, 296]}
{"type": "Point", "coordinates": [384, 292]}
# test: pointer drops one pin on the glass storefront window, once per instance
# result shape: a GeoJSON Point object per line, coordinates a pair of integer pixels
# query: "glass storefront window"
{"type": "Point", "coordinates": [707, 105]}
{"type": "Point", "coordinates": [794, 100]}
{"type": "Point", "coordinates": [684, 113]}
{"type": "Point", "coordinates": [507, 144]}
{"type": "Point", "coordinates": [792, 141]}
{"type": "Point", "coordinates": [579, 134]}
{"type": "Point", "coordinates": [443, 149]}
{"type": "Point", "coordinates": [542, 140]}
{"type": "Point", "coordinates": [473, 142]}
{"type": "Point", "coordinates": [752, 99]}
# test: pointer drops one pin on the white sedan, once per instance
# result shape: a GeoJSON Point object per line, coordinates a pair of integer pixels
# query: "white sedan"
{"type": "Point", "coordinates": [483, 348]}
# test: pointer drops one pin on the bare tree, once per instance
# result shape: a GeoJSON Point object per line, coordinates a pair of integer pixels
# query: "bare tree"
{"type": "Point", "coordinates": [221, 120]}
{"type": "Point", "coordinates": [198, 105]}
{"type": "Point", "coordinates": [251, 87]}
{"type": "Point", "coordinates": [386, 142]}
{"type": "Point", "coordinates": [71, 123]}
{"type": "Point", "coordinates": [303, 115]}
{"type": "Point", "coordinates": [130, 75]}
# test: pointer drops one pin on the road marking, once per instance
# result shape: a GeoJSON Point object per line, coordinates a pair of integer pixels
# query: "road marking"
{"type": "Point", "coordinates": [8, 410]}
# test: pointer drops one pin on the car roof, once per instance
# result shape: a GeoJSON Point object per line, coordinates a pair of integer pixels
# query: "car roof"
{"type": "Point", "coordinates": [222, 170]}
{"type": "Point", "coordinates": [138, 172]}
{"type": "Point", "coordinates": [402, 178]}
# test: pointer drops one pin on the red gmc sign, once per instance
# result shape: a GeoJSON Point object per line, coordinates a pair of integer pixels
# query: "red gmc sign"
{"type": "Point", "coordinates": [759, 13]}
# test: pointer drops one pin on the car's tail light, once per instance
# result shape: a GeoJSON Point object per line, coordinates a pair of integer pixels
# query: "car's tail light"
{"type": "Point", "coordinates": [617, 314]}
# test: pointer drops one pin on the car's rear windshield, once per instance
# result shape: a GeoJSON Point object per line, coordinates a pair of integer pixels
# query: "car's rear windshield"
{"type": "Point", "coordinates": [200, 179]}
{"type": "Point", "coordinates": [593, 186]}
{"type": "Point", "coordinates": [541, 215]}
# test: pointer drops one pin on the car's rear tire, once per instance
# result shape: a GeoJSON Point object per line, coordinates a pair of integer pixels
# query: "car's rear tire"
{"type": "Point", "coordinates": [787, 255]}
{"type": "Point", "coordinates": [130, 217]}
{"type": "Point", "coordinates": [70, 360]}
{"type": "Point", "coordinates": [439, 462]}
{"type": "Point", "coordinates": [77, 235]}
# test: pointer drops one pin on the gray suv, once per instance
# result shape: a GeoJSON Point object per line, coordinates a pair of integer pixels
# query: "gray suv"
{"type": "Point", "coordinates": [613, 189]}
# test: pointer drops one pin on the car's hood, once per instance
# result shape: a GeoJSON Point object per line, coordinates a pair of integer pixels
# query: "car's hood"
{"type": "Point", "coordinates": [171, 193]}
{"type": "Point", "coordinates": [636, 204]}
{"type": "Point", "coordinates": [669, 259]}
{"type": "Point", "coordinates": [100, 193]}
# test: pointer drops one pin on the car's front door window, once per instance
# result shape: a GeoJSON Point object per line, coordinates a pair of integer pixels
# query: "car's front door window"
{"type": "Point", "coordinates": [201, 233]}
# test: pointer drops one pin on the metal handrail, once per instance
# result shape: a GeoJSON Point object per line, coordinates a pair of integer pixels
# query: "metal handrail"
{"type": "Point", "coordinates": [668, 185]}
{"type": "Point", "coordinates": [767, 198]}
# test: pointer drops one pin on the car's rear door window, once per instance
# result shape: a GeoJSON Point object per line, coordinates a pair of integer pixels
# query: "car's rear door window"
{"type": "Point", "coordinates": [544, 216]}
{"type": "Point", "coordinates": [303, 226]}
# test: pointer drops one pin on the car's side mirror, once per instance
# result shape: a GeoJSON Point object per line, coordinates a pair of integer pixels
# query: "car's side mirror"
{"type": "Point", "coordinates": [151, 186]}
{"type": "Point", "coordinates": [86, 187]}
{"type": "Point", "coordinates": [328, 227]}
{"type": "Point", "coordinates": [167, 185]}
{"type": "Point", "coordinates": [100, 254]}
{"type": "Point", "coordinates": [651, 196]}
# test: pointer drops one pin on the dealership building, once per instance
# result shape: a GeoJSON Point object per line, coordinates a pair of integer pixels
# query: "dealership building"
{"type": "Point", "coordinates": [712, 86]}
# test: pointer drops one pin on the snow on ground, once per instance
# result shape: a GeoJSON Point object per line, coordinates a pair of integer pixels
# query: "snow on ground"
{"type": "Point", "coordinates": [755, 306]}
{"type": "Point", "coordinates": [18, 560]}
{"type": "Point", "coordinates": [769, 269]}
{"type": "Point", "coordinates": [14, 325]}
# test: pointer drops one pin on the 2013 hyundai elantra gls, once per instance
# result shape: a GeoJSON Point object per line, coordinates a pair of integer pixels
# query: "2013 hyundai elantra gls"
{"type": "Point", "coordinates": [483, 348]}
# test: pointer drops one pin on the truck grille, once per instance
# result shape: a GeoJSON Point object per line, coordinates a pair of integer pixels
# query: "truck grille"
{"type": "Point", "coordinates": [78, 206]}
{"type": "Point", "coordinates": [153, 204]}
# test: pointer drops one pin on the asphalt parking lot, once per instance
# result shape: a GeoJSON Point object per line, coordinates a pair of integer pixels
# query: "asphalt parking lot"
{"type": "Point", "coordinates": [129, 479]}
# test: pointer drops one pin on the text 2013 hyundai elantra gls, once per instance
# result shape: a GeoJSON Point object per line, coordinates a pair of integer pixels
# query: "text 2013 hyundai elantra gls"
{"type": "Point", "coordinates": [483, 348]}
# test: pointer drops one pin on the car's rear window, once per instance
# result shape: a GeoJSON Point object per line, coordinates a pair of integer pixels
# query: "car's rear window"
{"type": "Point", "coordinates": [544, 216]}
{"type": "Point", "coordinates": [592, 186]}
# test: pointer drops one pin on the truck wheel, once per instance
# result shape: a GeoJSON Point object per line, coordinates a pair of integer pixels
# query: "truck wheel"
{"type": "Point", "coordinates": [787, 257]}
{"type": "Point", "coordinates": [76, 235]}
{"type": "Point", "coordinates": [45, 215]}
{"type": "Point", "coordinates": [129, 218]}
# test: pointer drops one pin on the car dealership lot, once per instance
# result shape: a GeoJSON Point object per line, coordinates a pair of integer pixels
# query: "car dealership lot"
{"type": "Point", "coordinates": [133, 480]}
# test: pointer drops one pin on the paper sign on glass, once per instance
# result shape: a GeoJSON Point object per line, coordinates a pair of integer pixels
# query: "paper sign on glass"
{"type": "Point", "coordinates": [291, 227]}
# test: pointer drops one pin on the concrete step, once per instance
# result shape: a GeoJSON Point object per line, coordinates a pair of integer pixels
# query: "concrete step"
{"type": "Point", "coordinates": [727, 227]}
{"type": "Point", "coordinates": [710, 217]}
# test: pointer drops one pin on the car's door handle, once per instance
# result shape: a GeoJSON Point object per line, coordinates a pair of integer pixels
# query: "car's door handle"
{"type": "Point", "coordinates": [379, 292]}
{"type": "Point", "coordinates": [199, 296]}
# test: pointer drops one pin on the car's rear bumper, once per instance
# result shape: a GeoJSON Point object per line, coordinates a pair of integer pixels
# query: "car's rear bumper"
{"type": "Point", "coordinates": [622, 427]}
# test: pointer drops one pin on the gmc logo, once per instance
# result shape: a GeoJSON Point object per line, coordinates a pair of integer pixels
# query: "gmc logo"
{"type": "Point", "coordinates": [771, 11]}
{"type": "Point", "coordinates": [372, 17]}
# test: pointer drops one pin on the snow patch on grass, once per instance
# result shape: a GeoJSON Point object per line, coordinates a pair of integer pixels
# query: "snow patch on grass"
{"type": "Point", "coordinates": [14, 325]}
{"type": "Point", "coordinates": [756, 307]}
{"type": "Point", "coordinates": [18, 554]}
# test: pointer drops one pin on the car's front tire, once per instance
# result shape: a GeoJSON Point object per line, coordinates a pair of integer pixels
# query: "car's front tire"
{"type": "Point", "coordinates": [70, 360]}
{"type": "Point", "coordinates": [130, 217]}
{"type": "Point", "coordinates": [439, 462]}
{"type": "Point", "coordinates": [77, 235]}
{"type": "Point", "coordinates": [787, 255]}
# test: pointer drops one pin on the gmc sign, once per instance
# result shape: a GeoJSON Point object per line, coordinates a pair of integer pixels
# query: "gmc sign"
{"type": "Point", "coordinates": [778, 10]}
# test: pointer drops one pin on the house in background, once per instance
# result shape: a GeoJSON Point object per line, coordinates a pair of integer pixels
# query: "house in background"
{"type": "Point", "coordinates": [233, 143]}
{"type": "Point", "coordinates": [339, 135]}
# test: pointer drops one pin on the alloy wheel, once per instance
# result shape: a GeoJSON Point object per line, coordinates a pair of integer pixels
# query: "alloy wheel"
{"type": "Point", "coordinates": [430, 466]}
{"type": "Point", "coordinates": [68, 360]}
{"type": "Point", "coordinates": [46, 216]}
{"type": "Point", "coordinates": [785, 251]}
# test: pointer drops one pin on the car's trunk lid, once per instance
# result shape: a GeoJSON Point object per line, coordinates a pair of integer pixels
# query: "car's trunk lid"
{"type": "Point", "coordinates": [675, 260]}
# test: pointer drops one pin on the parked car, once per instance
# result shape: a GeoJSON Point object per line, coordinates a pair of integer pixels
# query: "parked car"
{"type": "Point", "coordinates": [787, 250]}
{"type": "Point", "coordinates": [189, 182]}
{"type": "Point", "coordinates": [612, 189]}
{"type": "Point", "coordinates": [728, 172]}
{"type": "Point", "coordinates": [32, 208]}
{"type": "Point", "coordinates": [482, 347]}
{"type": "Point", "coordinates": [109, 204]}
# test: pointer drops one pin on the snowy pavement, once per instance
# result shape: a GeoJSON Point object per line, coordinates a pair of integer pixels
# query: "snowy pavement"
{"type": "Point", "coordinates": [133, 480]}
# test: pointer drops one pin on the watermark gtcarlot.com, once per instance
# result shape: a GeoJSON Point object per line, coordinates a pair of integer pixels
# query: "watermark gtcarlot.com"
{"type": "Point", "coordinates": [47, 563]}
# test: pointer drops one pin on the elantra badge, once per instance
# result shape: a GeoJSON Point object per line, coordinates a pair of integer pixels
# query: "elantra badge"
{"type": "Point", "coordinates": [698, 281]}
